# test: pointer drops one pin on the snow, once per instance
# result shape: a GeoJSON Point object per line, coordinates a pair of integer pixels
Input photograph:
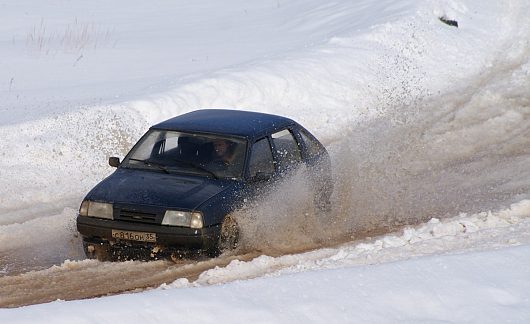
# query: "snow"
{"type": "Point", "coordinates": [427, 126]}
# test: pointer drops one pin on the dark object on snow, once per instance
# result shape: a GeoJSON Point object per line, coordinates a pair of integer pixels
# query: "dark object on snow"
{"type": "Point", "coordinates": [448, 21]}
{"type": "Point", "coordinates": [174, 193]}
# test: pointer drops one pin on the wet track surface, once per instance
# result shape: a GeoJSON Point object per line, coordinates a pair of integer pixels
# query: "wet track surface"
{"type": "Point", "coordinates": [39, 283]}
{"type": "Point", "coordinates": [90, 278]}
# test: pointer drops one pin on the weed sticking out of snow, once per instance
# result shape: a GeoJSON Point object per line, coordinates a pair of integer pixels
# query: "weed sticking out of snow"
{"type": "Point", "coordinates": [72, 38]}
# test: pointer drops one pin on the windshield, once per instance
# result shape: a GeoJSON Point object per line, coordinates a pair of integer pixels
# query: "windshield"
{"type": "Point", "coordinates": [177, 152]}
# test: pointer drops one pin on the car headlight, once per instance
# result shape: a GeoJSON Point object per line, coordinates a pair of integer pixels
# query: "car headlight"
{"type": "Point", "coordinates": [95, 209]}
{"type": "Point", "coordinates": [182, 218]}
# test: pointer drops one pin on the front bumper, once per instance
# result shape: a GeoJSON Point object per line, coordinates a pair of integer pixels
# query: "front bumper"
{"type": "Point", "coordinates": [97, 230]}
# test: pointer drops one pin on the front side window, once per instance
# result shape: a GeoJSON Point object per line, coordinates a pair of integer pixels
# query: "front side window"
{"type": "Point", "coordinates": [179, 152]}
{"type": "Point", "coordinates": [261, 158]}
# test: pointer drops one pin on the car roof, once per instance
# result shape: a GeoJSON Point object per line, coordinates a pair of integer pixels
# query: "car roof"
{"type": "Point", "coordinates": [226, 122]}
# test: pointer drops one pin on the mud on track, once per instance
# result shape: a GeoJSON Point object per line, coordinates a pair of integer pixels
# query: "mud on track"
{"type": "Point", "coordinates": [91, 278]}
{"type": "Point", "coordinates": [75, 280]}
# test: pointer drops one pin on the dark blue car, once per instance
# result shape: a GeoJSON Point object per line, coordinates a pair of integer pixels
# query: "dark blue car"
{"type": "Point", "coordinates": [173, 193]}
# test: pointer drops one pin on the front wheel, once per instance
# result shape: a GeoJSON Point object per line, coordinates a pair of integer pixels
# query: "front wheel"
{"type": "Point", "coordinates": [99, 251]}
{"type": "Point", "coordinates": [229, 236]}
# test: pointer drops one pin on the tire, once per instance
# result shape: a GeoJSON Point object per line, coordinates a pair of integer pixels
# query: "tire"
{"type": "Point", "coordinates": [97, 251]}
{"type": "Point", "coordinates": [229, 236]}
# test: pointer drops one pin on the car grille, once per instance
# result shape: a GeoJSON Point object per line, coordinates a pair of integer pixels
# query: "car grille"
{"type": "Point", "coordinates": [136, 216]}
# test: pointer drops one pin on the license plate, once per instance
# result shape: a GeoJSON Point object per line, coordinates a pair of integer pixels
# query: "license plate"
{"type": "Point", "coordinates": [134, 236]}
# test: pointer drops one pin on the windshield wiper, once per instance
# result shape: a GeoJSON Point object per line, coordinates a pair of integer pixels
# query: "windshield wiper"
{"type": "Point", "coordinates": [160, 166]}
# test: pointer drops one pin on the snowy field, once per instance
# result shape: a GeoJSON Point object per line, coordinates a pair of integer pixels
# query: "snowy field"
{"type": "Point", "coordinates": [427, 124]}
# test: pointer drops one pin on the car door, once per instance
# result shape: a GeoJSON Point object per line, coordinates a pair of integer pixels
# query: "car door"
{"type": "Point", "coordinates": [272, 158]}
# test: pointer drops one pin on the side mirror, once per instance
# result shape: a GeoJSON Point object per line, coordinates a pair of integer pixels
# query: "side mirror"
{"type": "Point", "coordinates": [261, 177]}
{"type": "Point", "coordinates": [114, 161]}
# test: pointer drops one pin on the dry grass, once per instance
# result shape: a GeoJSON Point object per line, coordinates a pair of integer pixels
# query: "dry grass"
{"type": "Point", "coordinates": [72, 38]}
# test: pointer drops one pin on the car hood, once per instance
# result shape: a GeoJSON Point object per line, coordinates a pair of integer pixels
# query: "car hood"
{"type": "Point", "coordinates": [139, 187]}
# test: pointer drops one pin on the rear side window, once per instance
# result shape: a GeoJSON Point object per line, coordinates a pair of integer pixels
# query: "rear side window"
{"type": "Point", "coordinates": [261, 158]}
{"type": "Point", "coordinates": [314, 148]}
{"type": "Point", "coordinates": [286, 147]}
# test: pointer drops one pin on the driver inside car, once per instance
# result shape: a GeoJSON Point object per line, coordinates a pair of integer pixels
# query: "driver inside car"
{"type": "Point", "coordinates": [222, 154]}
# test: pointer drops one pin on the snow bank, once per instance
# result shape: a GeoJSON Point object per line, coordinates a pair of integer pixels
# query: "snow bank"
{"type": "Point", "coordinates": [480, 231]}
{"type": "Point", "coordinates": [398, 56]}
